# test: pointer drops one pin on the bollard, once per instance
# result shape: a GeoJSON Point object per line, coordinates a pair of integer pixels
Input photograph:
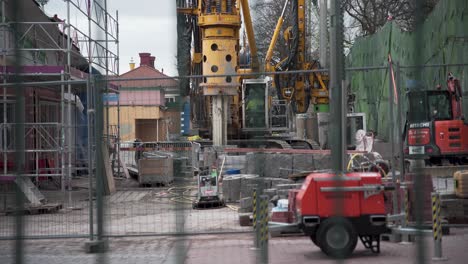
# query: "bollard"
{"type": "Point", "coordinates": [405, 237]}
{"type": "Point", "coordinates": [264, 220]}
{"type": "Point", "coordinates": [437, 227]}
{"type": "Point", "coordinates": [263, 226]}
{"type": "Point", "coordinates": [255, 207]}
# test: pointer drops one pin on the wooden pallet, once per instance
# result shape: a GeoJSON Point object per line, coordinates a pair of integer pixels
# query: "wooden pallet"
{"type": "Point", "coordinates": [49, 208]}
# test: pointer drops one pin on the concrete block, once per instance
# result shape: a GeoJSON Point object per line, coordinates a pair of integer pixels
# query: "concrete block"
{"type": "Point", "coordinates": [248, 182]}
{"type": "Point", "coordinates": [232, 162]}
{"type": "Point", "coordinates": [266, 182]}
{"type": "Point", "coordinates": [322, 161]}
{"type": "Point", "coordinates": [302, 162]}
{"type": "Point", "coordinates": [255, 163]}
{"type": "Point", "coordinates": [278, 165]}
{"type": "Point", "coordinates": [231, 188]}
{"type": "Point", "coordinates": [279, 181]}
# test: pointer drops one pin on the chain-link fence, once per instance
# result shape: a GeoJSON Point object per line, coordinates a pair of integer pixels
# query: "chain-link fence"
{"type": "Point", "coordinates": [99, 158]}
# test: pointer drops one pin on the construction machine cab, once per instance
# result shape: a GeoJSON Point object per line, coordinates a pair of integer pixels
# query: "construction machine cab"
{"type": "Point", "coordinates": [425, 106]}
{"type": "Point", "coordinates": [435, 130]}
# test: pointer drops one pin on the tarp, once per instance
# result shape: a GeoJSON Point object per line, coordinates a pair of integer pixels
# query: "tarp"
{"type": "Point", "coordinates": [442, 39]}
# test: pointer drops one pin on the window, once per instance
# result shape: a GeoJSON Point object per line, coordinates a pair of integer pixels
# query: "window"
{"type": "Point", "coordinates": [439, 106]}
{"type": "Point", "coordinates": [170, 100]}
{"type": "Point", "coordinates": [427, 106]}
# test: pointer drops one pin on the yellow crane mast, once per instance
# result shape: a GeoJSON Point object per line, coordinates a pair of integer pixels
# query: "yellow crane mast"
{"type": "Point", "coordinates": [219, 22]}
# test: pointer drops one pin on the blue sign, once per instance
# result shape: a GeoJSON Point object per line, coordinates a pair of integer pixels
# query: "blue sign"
{"type": "Point", "coordinates": [110, 97]}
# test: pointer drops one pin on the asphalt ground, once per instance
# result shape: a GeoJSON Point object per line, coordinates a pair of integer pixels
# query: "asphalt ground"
{"type": "Point", "coordinates": [225, 248]}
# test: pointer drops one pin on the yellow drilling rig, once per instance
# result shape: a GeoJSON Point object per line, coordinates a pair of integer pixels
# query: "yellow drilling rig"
{"type": "Point", "coordinates": [241, 107]}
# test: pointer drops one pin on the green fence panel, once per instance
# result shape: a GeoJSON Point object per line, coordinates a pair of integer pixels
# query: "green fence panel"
{"type": "Point", "coordinates": [443, 40]}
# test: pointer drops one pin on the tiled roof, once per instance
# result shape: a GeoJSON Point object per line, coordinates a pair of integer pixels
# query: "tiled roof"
{"type": "Point", "coordinates": [148, 72]}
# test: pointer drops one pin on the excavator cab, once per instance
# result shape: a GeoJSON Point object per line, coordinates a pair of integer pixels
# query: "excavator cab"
{"type": "Point", "coordinates": [427, 106]}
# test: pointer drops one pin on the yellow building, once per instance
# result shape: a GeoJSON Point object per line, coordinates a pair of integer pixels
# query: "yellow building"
{"type": "Point", "coordinates": [145, 112]}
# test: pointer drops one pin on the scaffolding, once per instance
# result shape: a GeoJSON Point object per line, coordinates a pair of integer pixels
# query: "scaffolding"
{"type": "Point", "coordinates": [59, 62]}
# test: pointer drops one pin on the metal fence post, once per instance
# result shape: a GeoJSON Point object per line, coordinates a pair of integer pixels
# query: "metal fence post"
{"type": "Point", "coordinates": [437, 227]}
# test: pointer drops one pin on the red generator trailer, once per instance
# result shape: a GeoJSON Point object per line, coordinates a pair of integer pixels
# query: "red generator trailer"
{"type": "Point", "coordinates": [436, 130]}
{"type": "Point", "coordinates": [335, 210]}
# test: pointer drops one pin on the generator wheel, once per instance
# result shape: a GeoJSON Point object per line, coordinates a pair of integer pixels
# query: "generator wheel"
{"type": "Point", "coordinates": [313, 237]}
{"type": "Point", "coordinates": [337, 237]}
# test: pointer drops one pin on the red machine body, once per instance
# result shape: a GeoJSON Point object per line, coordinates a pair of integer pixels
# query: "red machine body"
{"type": "Point", "coordinates": [311, 201]}
{"type": "Point", "coordinates": [451, 137]}
{"type": "Point", "coordinates": [335, 211]}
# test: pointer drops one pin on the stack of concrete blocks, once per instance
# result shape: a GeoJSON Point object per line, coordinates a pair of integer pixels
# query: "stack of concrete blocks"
{"type": "Point", "coordinates": [270, 171]}
{"type": "Point", "coordinates": [236, 187]}
{"type": "Point", "coordinates": [231, 188]}
{"type": "Point", "coordinates": [281, 165]}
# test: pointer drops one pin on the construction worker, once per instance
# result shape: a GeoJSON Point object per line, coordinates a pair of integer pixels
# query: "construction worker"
{"type": "Point", "coordinates": [255, 109]}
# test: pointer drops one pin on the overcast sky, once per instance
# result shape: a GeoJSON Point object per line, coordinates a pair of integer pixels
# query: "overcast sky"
{"type": "Point", "coordinates": [145, 26]}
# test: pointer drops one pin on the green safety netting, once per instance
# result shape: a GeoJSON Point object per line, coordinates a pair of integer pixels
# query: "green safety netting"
{"type": "Point", "coordinates": [442, 39]}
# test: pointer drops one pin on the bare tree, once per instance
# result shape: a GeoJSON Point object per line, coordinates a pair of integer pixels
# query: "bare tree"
{"type": "Point", "coordinates": [266, 14]}
{"type": "Point", "coordinates": [373, 14]}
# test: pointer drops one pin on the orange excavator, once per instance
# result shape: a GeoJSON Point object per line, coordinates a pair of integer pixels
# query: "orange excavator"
{"type": "Point", "coordinates": [436, 129]}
